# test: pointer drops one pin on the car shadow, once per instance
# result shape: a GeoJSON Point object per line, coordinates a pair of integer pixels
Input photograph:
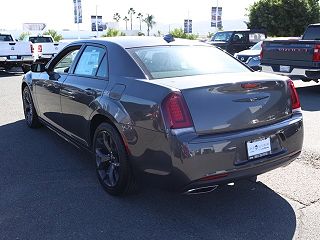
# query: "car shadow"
{"type": "Point", "coordinates": [310, 97]}
{"type": "Point", "coordinates": [49, 190]}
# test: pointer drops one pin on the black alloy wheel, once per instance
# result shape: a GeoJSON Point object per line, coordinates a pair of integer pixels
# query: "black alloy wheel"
{"type": "Point", "coordinates": [30, 113]}
{"type": "Point", "coordinates": [113, 169]}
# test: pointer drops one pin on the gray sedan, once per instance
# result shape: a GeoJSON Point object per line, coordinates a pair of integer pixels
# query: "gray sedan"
{"type": "Point", "coordinates": [180, 114]}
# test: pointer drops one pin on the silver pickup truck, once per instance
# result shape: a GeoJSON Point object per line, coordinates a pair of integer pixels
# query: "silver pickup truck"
{"type": "Point", "coordinates": [13, 53]}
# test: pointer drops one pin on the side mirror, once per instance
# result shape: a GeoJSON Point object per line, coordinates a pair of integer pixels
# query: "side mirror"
{"type": "Point", "coordinates": [26, 68]}
{"type": "Point", "coordinates": [38, 67]}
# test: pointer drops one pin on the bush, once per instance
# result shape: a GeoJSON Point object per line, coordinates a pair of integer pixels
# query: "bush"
{"type": "Point", "coordinates": [113, 33]}
{"type": "Point", "coordinates": [179, 33]}
{"type": "Point", "coordinates": [24, 35]}
{"type": "Point", "coordinates": [54, 34]}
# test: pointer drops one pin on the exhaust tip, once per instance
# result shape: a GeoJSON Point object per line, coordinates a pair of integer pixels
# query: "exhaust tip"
{"type": "Point", "coordinates": [201, 190]}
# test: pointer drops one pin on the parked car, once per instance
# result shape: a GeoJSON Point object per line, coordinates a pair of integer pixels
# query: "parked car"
{"type": "Point", "coordinates": [44, 47]}
{"type": "Point", "coordinates": [298, 58]}
{"type": "Point", "coordinates": [251, 57]}
{"type": "Point", "coordinates": [237, 41]}
{"type": "Point", "coordinates": [13, 53]}
{"type": "Point", "coordinates": [182, 113]}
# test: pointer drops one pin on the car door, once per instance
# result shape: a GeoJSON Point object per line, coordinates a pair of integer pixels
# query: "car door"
{"type": "Point", "coordinates": [81, 91]}
{"type": "Point", "coordinates": [239, 42]}
{"type": "Point", "coordinates": [48, 86]}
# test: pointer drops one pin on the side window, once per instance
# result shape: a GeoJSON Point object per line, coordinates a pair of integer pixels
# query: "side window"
{"type": "Point", "coordinates": [103, 68]}
{"type": "Point", "coordinates": [65, 62]}
{"type": "Point", "coordinates": [89, 61]}
{"type": "Point", "coordinates": [239, 38]}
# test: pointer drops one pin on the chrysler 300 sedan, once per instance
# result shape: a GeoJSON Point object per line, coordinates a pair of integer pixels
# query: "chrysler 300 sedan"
{"type": "Point", "coordinates": [180, 113]}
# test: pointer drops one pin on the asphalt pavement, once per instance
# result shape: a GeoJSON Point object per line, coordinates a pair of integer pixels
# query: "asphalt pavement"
{"type": "Point", "coordinates": [48, 190]}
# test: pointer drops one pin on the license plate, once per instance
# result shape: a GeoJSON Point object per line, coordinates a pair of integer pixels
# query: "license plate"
{"type": "Point", "coordinates": [284, 68]}
{"type": "Point", "coordinates": [259, 148]}
{"type": "Point", "coordinates": [13, 57]}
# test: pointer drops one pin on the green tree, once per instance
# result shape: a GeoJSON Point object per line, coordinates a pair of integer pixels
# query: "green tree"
{"type": "Point", "coordinates": [179, 33]}
{"type": "Point", "coordinates": [126, 19]}
{"type": "Point", "coordinates": [116, 17]}
{"type": "Point", "coordinates": [283, 17]}
{"type": "Point", "coordinates": [24, 35]}
{"type": "Point", "coordinates": [113, 33]}
{"type": "Point", "coordinates": [149, 20]}
{"type": "Point", "coordinates": [140, 17]}
{"type": "Point", "coordinates": [54, 34]}
{"type": "Point", "coordinates": [131, 12]}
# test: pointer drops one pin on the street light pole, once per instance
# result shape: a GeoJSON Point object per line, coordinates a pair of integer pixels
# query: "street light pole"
{"type": "Point", "coordinates": [217, 16]}
{"type": "Point", "coordinates": [97, 29]}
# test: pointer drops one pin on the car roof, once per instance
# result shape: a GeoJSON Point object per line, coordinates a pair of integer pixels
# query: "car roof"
{"type": "Point", "coordinates": [136, 42]}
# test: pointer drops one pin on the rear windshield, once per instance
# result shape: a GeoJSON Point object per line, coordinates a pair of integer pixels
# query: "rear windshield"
{"type": "Point", "coordinates": [179, 61]}
{"type": "Point", "coordinates": [40, 39]}
{"type": "Point", "coordinates": [312, 33]}
{"type": "Point", "coordinates": [5, 38]}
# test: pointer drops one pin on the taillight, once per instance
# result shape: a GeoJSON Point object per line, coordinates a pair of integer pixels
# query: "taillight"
{"type": "Point", "coordinates": [175, 111]}
{"type": "Point", "coordinates": [32, 49]}
{"type": "Point", "coordinates": [316, 53]}
{"type": "Point", "coordinates": [39, 48]}
{"type": "Point", "coordinates": [295, 101]}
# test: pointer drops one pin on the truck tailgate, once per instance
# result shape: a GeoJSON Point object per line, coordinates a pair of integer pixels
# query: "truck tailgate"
{"type": "Point", "coordinates": [15, 49]}
{"type": "Point", "coordinates": [288, 51]}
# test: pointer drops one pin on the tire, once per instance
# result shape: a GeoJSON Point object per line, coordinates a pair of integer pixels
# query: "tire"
{"type": "Point", "coordinates": [29, 110]}
{"type": "Point", "coordinates": [112, 165]}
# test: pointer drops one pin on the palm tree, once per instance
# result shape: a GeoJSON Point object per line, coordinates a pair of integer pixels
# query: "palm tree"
{"type": "Point", "coordinates": [131, 12]}
{"type": "Point", "coordinates": [140, 16]}
{"type": "Point", "coordinates": [149, 20]}
{"type": "Point", "coordinates": [126, 19]}
{"type": "Point", "coordinates": [116, 17]}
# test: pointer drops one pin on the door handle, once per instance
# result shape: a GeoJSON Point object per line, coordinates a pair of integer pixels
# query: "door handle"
{"type": "Point", "coordinates": [90, 92]}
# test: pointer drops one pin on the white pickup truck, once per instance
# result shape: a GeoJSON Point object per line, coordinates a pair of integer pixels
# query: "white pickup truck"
{"type": "Point", "coordinates": [13, 53]}
{"type": "Point", "coordinates": [44, 48]}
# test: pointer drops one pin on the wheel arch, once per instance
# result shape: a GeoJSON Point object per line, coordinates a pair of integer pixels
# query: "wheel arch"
{"type": "Point", "coordinates": [99, 118]}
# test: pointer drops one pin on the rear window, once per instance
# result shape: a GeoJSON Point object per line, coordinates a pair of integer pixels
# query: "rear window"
{"type": "Point", "coordinates": [40, 39]}
{"type": "Point", "coordinates": [312, 33]}
{"type": "Point", "coordinates": [5, 38]}
{"type": "Point", "coordinates": [179, 61]}
{"type": "Point", "coordinates": [222, 36]}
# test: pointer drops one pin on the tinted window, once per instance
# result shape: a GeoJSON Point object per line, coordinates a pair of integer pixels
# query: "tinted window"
{"type": "Point", "coordinates": [89, 61]}
{"type": "Point", "coordinates": [312, 33]}
{"type": "Point", "coordinates": [178, 61]}
{"type": "Point", "coordinates": [5, 38]}
{"type": "Point", "coordinates": [65, 63]}
{"type": "Point", "coordinates": [103, 69]}
{"type": "Point", "coordinates": [40, 39]}
{"type": "Point", "coordinates": [240, 37]}
{"type": "Point", "coordinates": [222, 36]}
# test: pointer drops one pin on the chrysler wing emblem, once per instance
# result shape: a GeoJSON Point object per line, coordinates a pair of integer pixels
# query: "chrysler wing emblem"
{"type": "Point", "coordinates": [253, 99]}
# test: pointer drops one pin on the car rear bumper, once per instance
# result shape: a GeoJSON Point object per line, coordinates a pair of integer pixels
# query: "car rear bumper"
{"type": "Point", "coordinates": [305, 73]}
{"type": "Point", "coordinates": [5, 60]}
{"type": "Point", "coordinates": [191, 161]}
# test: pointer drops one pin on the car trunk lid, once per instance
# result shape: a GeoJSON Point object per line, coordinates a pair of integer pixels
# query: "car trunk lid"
{"type": "Point", "coordinates": [221, 103]}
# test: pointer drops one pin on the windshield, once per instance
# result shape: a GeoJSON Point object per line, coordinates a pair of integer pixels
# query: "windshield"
{"type": "Point", "coordinates": [40, 39]}
{"type": "Point", "coordinates": [222, 36]}
{"type": "Point", "coordinates": [6, 38]}
{"type": "Point", "coordinates": [179, 61]}
{"type": "Point", "coordinates": [257, 46]}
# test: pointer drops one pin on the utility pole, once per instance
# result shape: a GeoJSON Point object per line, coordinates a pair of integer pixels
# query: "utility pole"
{"type": "Point", "coordinates": [217, 11]}
{"type": "Point", "coordinates": [97, 29]}
{"type": "Point", "coordinates": [77, 11]}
